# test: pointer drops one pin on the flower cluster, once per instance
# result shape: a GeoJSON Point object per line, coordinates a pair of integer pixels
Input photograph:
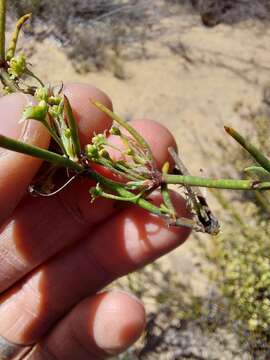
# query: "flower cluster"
{"type": "Point", "coordinates": [17, 67]}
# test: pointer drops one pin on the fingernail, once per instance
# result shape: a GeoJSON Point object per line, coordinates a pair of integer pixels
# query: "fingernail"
{"type": "Point", "coordinates": [124, 315]}
{"type": "Point", "coordinates": [11, 108]}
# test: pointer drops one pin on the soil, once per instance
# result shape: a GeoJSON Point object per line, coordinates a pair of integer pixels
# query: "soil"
{"type": "Point", "coordinates": [192, 80]}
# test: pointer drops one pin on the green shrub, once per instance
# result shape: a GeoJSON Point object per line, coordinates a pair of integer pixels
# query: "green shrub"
{"type": "Point", "coordinates": [243, 248]}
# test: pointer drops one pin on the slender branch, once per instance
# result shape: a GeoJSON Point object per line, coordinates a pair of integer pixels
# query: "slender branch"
{"type": "Point", "coordinates": [124, 193]}
{"type": "Point", "coordinates": [142, 202]}
{"type": "Point", "coordinates": [54, 135]}
{"type": "Point", "coordinates": [7, 81]}
{"type": "Point", "coordinates": [2, 29]}
{"type": "Point", "coordinates": [216, 183]}
{"type": "Point", "coordinates": [14, 145]}
{"type": "Point", "coordinates": [256, 153]}
{"type": "Point", "coordinates": [30, 73]}
{"type": "Point", "coordinates": [18, 146]}
{"type": "Point", "coordinates": [166, 193]}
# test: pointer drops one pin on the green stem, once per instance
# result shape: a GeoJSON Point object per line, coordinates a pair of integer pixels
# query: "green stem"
{"type": "Point", "coordinates": [256, 153]}
{"type": "Point", "coordinates": [119, 188]}
{"type": "Point", "coordinates": [106, 163]}
{"type": "Point", "coordinates": [53, 134]}
{"type": "Point", "coordinates": [30, 73]}
{"type": "Point", "coordinates": [2, 29]}
{"type": "Point", "coordinates": [216, 183]}
{"type": "Point", "coordinates": [166, 193]}
{"type": "Point", "coordinates": [18, 146]}
{"type": "Point", "coordinates": [120, 198]}
{"type": "Point", "coordinates": [14, 145]}
{"type": "Point", "coordinates": [135, 175]}
{"type": "Point", "coordinates": [7, 81]}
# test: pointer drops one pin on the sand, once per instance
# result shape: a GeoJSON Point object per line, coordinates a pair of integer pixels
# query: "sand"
{"type": "Point", "coordinates": [192, 92]}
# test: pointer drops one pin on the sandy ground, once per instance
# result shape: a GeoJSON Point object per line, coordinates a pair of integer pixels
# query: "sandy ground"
{"type": "Point", "coordinates": [193, 92]}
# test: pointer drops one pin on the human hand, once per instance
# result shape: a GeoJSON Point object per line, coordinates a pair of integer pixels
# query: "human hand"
{"type": "Point", "coordinates": [57, 253]}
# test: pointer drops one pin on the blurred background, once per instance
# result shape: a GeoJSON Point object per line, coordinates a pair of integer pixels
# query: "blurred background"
{"type": "Point", "coordinates": [193, 65]}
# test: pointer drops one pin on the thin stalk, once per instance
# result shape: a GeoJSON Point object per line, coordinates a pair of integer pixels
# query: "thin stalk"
{"type": "Point", "coordinates": [166, 193]}
{"type": "Point", "coordinates": [255, 152]}
{"type": "Point", "coordinates": [167, 199]}
{"type": "Point", "coordinates": [2, 29]}
{"type": "Point", "coordinates": [134, 174]}
{"type": "Point", "coordinates": [54, 135]}
{"type": "Point", "coordinates": [186, 223]}
{"type": "Point", "coordinates": [154, 209]}
{"type": "Point", "coordinates": [108, 165]}
{"type": "Point", "coordinates": [119, 198]}
{"type": "Point", "coordinates": [15, 145]}
{"type": "Point", "coordinates": [18, 146]}
{"type": "Point", "coordinates": [119, 188]}
{"type": "Point", "coordinates": [258, 171]}
{"type": "Point", "coordinates": [7, 81]}
{"type": "Point", "coordinates": [30, 73]}
{"type": "Point", "coordinates": [126, 126]}
{"type": "Point", "coordinates": [216, 183]}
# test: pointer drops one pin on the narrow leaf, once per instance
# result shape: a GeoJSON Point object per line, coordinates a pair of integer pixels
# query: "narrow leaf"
{"type": "Point", "coordinates": [14, 38]}
{"type": "Point", "coordinates": [253, 150]}
{"type": "Point", "coordinates": [73, 127]}
{"type": "Point", "coordinates": [259, 172]}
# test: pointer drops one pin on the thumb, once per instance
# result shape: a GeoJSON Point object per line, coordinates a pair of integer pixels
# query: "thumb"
{"type": "Point", "coordinates": [17, 170]}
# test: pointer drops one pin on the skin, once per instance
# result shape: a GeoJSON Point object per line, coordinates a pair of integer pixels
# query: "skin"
{"type": "Point", "coordinates": [58, 253]}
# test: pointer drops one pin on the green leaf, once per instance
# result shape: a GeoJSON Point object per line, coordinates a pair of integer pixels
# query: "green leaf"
{"type": "Point", "coordinates": [37, 112]}
{"type": "Point", "coordinates": [73, 127]}
{"type": "Point", "coordinates": [254, 152]}
{"type": "Point", "coordinates": [258, 172]}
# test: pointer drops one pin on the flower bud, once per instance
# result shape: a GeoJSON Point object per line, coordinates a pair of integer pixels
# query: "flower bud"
{"type": "Point", "coordinates": [55, 111]}
{"type": "Point", "coordinates": [17, 66]}
{"type": "Point", "coordinates": [99, 140]}
{"type": "Point", "coordinates": [91, 151]}
{"type": "Point", "coordinates": [129, 152]}
{"type": "Point", "coordinates": [114, 130]}
{"type": "Point", "coordinates": [104, 153]}
{"type": "Point", "coordinates": [37, 112]}
{"type": "Point", "coordinates": [67, 133]}
{"type": "Point", "coordinates": [42, 93]}
{"type": "Point", "coordinates": [54, 100]}
{"type": "Point", "coordinates": [96, 191]}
